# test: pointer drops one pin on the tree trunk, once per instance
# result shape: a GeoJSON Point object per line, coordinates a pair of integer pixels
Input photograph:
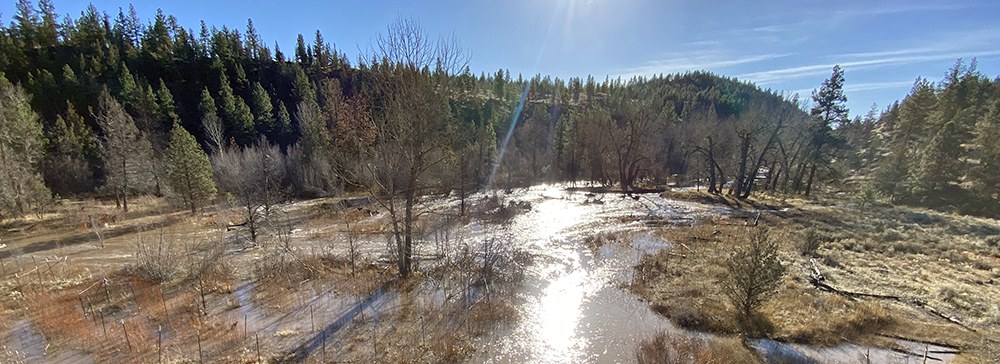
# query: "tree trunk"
{"type": "Point", "coordinates": [737, 188]}
{"type": "Point", "coordinates": [407, 264]}
{"type": "Point", "coordinates": [809, 183]}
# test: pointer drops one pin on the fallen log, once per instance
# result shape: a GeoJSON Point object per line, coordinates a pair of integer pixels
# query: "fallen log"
{"type": "Point", "coordinates": [817, 280]}
{"type": "Point", "coordinates": [950, 349]}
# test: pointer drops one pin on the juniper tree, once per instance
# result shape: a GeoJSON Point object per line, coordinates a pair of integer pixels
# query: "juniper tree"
{"type": "Point", "coordinates": [752, 275]}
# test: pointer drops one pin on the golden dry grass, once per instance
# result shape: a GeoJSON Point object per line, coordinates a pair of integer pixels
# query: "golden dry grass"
{"type": "Point", "coordinates": [949, 262]}
{"type": "Point", "coordinates": [665, 348]}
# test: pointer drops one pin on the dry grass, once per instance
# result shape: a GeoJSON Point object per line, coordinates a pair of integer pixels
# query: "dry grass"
{"type": "Point", "coordinates": [665, 348]}
{"type": "Point", "coordinates": [948, 261]}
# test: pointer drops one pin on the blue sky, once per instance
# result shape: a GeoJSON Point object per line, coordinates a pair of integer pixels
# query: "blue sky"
{"type": "Point", "coordinates": [782, 45]}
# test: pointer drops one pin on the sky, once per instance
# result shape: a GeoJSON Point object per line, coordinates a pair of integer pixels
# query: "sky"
{"type": "Point", "coordinates": [785, 46]}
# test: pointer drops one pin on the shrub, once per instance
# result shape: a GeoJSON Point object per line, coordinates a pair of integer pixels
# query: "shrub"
{"type": "Point", "coordinates": [752, 275]}
{"type": "Point", "coordinates": [157, 262]}
{"type": "Point", "coordinates": [811, 242]}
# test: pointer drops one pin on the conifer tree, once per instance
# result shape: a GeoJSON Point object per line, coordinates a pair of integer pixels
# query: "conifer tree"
{"type": "Point", "coordinates": [167, 108]}
{"type": "Point", "coordinates": [22, 143]}
{"type": "Point", "coordinates": [987, 173]}
{"type": "Point", "coordinates": [939, 165]}
{"type": "Point", "coordinates": [125, 150]}
{"type": "Point", "coordinates": [236, 115]}
{"type": "Point", "coordinates": [71, 148]}
{"type": "Point", "coordinates": [263, 111]}
{"type": "Point", "coordinates": [283, 126]}
{"type": "Point", "coordinates": [830, 110]}
{"type": "Point", "coordinates": [189, 170]}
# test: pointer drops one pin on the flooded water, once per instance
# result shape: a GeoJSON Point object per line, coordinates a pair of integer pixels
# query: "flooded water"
{"type": "Point", "coordinates": [575, 309]}
{"type": "Point", "coordinates": [24, 344]}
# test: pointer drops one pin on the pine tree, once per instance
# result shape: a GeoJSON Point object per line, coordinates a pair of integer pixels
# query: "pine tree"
{"type": "Point", "coordinates": [283, 126]}
{"type": "Point", "coordinates": [128, 90]}
{"type": "Point", "coordinates": [263, 111]}
{"type": "Point", "coordinates": [125, 150]}
{"type": "Point", "coordinates": [167, 108]}
{"type": "Point", "coordinates": [830, 110]}
{"type": "Point", "coordinates": [301, 54]}
{"type": "Point", "coordinates": [236, 115]}
{"type": "Point", "coordinates": [189, 171]}
{"type": "Point", "coordinates": [22, 144]}
{"type": "Point", "coordinates": [321, 53]}
{"type": "Point", "coordinates": [939, 165]}
{"type": "Point", "coordinates": [302, 90]}
{"type": "Point", "coordinates": [987, 173]}
{"type": "Point", "coordinates": [71, 148]}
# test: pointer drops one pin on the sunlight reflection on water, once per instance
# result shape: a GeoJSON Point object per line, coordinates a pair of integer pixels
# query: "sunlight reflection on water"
{"type": "Point", "coordinates": [574, 310]}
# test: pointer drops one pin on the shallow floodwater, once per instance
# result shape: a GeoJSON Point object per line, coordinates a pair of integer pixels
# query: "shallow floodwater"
{"type": "Point", "coordinates": [574, 307]}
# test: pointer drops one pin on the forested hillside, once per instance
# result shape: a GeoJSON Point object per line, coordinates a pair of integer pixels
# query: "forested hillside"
{"type": "Point", "coordinates": [107, 105]}
{"type": "Point", "coordinates": [940, 145]}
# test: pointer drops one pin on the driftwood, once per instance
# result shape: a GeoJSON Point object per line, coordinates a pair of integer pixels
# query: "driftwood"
{"type": "Point", "coordinates": [817, 280]}
{"type": "Point", "coordinates": [948, 347]}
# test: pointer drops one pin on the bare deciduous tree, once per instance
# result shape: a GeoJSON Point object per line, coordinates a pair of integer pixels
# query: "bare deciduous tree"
{"type": "Point", "coordinates": [253, 175]}
{"type": "Point", "coordinates": [411, 123]}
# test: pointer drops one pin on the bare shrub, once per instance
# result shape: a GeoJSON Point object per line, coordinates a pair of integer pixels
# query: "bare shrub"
{"type": "Point", "coordinates": [156, 261]}
{"type": "Point", "coordinates": [501, 263]}
{"type": "Point", "coordinates": [752, 275]}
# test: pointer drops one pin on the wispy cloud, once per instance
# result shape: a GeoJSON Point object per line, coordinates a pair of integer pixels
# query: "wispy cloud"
{"type": "Point", "coordinates": [792, 73]}
{"type": "Point", "coordinates": [704, 60]}
{"type": "Point", "coordinates": [870, 86]}
{"type": "Point", "coordinates": [859, 87]}
{"type": "Point", "coordinates": [883, 9]}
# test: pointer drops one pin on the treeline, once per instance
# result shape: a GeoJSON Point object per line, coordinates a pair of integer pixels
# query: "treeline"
{"type": "Point", "coordinates": [111, 106]}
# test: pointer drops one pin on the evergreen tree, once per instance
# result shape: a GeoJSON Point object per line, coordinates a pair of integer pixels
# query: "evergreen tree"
{"type": "Point", "coordinates": [301, 54]}
{"type": "Point", "coordinates": [302, 90]}
{"type": "Point", "coordinates": [167, 108]}
{"type": "Point", "coordinates": [236, 115]}
{"type": "Point", "coordinates": [71, 148]}
{"type": "Point", "coordinates": [128, 90]}
{"type": "Point", "coordinates": [263, 111]}
{"type": "Point", "coordinates": [125, 150]}
{"type": "Point", "coordinates": [939, 165]}
{"type": "Point", "coordinates": [283, 126]}
{"type": "Point", "coordinates": [830, 110]}
{"type": "Point", "coordinates": [189, 170]}
{"type": "Point", "coordinates": [321, 53]}
{"type": "Point", "coordinates": [22, 144]}
{"type": "Point", "coordinates": [987, 172]}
